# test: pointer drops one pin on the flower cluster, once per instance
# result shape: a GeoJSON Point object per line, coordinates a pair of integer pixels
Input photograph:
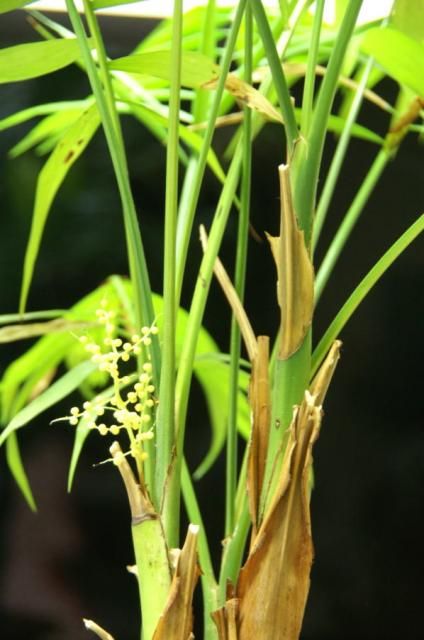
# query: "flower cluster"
{"type": "Point", "coordinates": [130, 402]}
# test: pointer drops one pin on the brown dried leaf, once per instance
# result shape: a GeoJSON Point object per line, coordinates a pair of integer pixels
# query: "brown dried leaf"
{"type": "Point", "coordinates": [274, 583]}
{"type": "Point", "coordinates": [249, 96]}
{"type": "Point", "coordinates": [259, 398]}
{"type": "Point", "coordinates": [321, 382]}
{"type": "Point", "coordinates": [233, 300]}
{"type": "Point", "coordinates": [176, 621]}
{"type": "Point", "coordinates": [226, 620]}
{"type": "Point", "coordinates": [295, 285]}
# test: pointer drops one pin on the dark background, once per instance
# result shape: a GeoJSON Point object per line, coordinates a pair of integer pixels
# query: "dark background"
{"type": "Point", "coordinates": [69, 559]}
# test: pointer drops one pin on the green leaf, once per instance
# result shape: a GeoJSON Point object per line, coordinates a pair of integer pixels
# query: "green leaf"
{"type": "Point", "coordinates": [8, 318]}
{"type": "Point", "coordinates": [14, 462]}
{"type": "Point", "coordinates": [41, 110]}
{"type": "Point", "coordinates": [59, 390]}
{"type": "Point", "coordinates": [81, 434]}
{"type": "Point", "coordinates": [401, 56]}
{"type": "Point", "coordinates": [407, 16]}
{"type": "Point", "coordinates": [34, 59]}
{"type": "Point", "coordinates": [51, 125]}
{"type": "Point", "coordinates": [51, 177]}
{"type": "Point", "coordinates": [363, 289]}
{"type": "Point", "coordinates": [11, 5]}
{"type": "Point", "coordinates": [196, 69]}
{"type": "Point", "coordinates": [104, 4]}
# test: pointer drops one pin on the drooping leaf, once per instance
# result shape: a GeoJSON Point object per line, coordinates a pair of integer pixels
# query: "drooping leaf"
{"type": "Point", "coordinates": [81, 434]}
{"type": "Point", "coordinates": [51, 126]}
{"type": "Point", "coordinates": [51, 177]}
{"type": "Point", "coordinates": [401, 56]}
{"type": "Point", "coordinates": [34, 59]}
{"type": "Point", "coordinates": [196, 69]}
{"type": "Point", "coordinates": [41, 110]}
{"type": "Point", "coordinates": [58, 390]}
{"type": "Point", "coordinates": [15, 464]}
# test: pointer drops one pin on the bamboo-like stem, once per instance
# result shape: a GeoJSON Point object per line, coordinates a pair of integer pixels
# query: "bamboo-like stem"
{"type": "Point", "coordinates": [340, 154]}
{"type": "Point", "coordinates": [307, 158]}
{"type": "Point", "coordinates": [362, 291]}
{"type": "Point", "coordinates": [165, 428]}
{"type": "Point", "coordinates": [239, 284]}
{"type": "Point", "coordinates": [309, 85]}
{"type": "Point", "coordinates": [209, 586]}
{"type": "Point", "coordinates": [172, 493]}
{"type": "Point", "coordinates": [194, 176]}
{"type": "Point", "coordinates": [278, 77]}
{"type": "Point", "coordinates": [103, 93]}
{"type": "Point", "coordinates": [349, 221]}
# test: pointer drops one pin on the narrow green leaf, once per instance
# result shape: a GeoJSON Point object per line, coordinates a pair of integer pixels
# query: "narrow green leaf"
{"type": "Point", "coordinates": [196, 68]}
{"type": "Point", "coordinates": [14, 462]}
{"type": "Point", "coordinates": [11, 5]}
{"type": "Point", "coordinates": [41, 110]}
{"type": "Point", "coordinates": [401, 56]}
{"type": "Point", "coordinates": [363, 289]}
{"type": "Point", "coordinates": [59, 390]}
{"type": "Point", "coordinates": [34, 59]}
{"type": "Point", "coordinates": [81, 434]}
{"type": "Point", "coordinates": [104, 4]}
{"type": "Point", "coordinates": [8, 318]}
{"type": "Point", "coordinates": [51, 177]}
{"type": "Point", "coordinates": [52, 125]}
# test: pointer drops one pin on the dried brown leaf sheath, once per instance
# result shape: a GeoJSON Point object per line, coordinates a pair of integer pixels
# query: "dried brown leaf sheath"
{"type": "Point", "coordinates": [274, 583]}
{"type": "Point", "coordinates": [226, 620]}
{"type": "Point", "coordinates": [259, 396]}
{"type": "Point", "coordinates": [295, 286]}
{"type": "Point", "coordinates": [176, 621]}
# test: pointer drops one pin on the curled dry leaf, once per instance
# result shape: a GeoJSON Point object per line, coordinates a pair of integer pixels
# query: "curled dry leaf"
{"type": "Point", "coordinates": [176, 621]}
{"type": "Point", "coordinates": [97, 629]}
{"type": "Point", "coordinates": [295, 285]}
{"type": "Point", "coordinates": [225, 619]}
{"type": "Point", "coordinates": [274, 583]}
{"type": "Point", "coordinates": [259, 398]}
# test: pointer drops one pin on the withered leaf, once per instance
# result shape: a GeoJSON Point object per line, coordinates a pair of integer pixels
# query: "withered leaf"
{"type": "Point", "coordinates": [176, 621]}
{"type": "Point", "coordinates": [295, 286]}
{"type": "Point", "coordinates": [274, 583]}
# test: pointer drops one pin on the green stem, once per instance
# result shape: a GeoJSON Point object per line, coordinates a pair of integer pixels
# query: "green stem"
{"type": "Point", "coordinates": [278, 77]}
{"type": "Point", "coordinates": [233, 553]}
{"type": "Point", "coordinates": [165, 431]}
{"type": "Point", "coordinates": [363, 289]}
{"type": "Point", "coordinates": [291, 378]}
{"type": "Point", "coordinates": [349, 221]}
{"type": "Point", "coordinates": [309, 86]}
{"type": "Point", "coordinates": [194, 176]}
{"type": "Point", "coordinates": [339, 156]}
{"type": "Point", "coordinates": [239, 284]}
{"type": "Point", "coordinates": [172, 495]}
{"type": "Point", "coordinates": [103, 93]}
{"type": "Point", "coordinates": [209, 586]}
{"type": "Point", "coordinates": [307, 158]}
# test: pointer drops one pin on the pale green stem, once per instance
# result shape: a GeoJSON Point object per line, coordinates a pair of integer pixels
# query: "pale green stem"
{"type": "Point", "coordinates": [349, 221]}
{"type": "Point", "coordinates": [239, 284]}
{"type": "Point", "coordinates": [340, 154]}
{"type": "Point", "coordinates": [363, 289]}
{"type": "Point", "coordinates": [165, 429]}
{"type": "Point", "coordinates": [103, 93]}
{"type": "Point", "coordinates": [172, 494]}
{"type": "Point", "coordinates": [193, 182]}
